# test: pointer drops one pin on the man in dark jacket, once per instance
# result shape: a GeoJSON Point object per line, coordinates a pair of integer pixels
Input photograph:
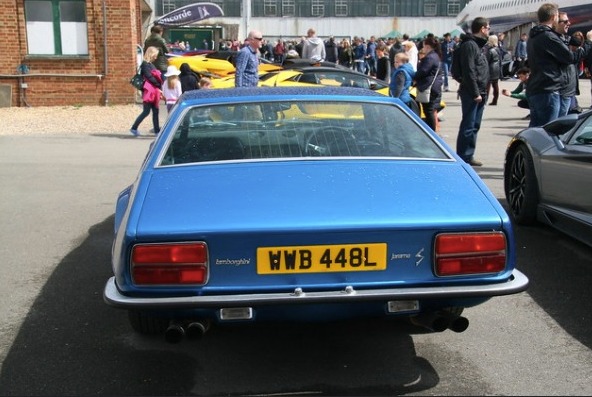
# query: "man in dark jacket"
{"type": "Point", "coordinates": [588, 59]}
{"type": "Point", "coordinates": [550, 60]}
{"type": "Point", "coordinates": [156, 40]}
{"type": "Point", "coordinates": [472, 89]}
{"type": "Point", "coordinates": [331, 50]}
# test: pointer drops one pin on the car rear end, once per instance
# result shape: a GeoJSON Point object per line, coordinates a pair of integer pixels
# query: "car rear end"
{"type": "Point", "coordinates": [310, 238]}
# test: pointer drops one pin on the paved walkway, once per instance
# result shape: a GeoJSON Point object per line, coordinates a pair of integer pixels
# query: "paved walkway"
{"type": "Point", "coordinates": [499, 125]}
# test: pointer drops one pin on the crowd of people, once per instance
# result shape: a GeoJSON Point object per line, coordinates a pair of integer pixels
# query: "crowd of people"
{"type": "Point", "coordinates": [548, 62]}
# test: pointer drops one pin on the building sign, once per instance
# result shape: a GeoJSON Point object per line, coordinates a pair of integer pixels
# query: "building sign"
{"type": "Point", "coordinates": [189, 14]}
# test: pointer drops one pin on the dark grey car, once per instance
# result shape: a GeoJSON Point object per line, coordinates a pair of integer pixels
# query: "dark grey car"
{"type": "Point", "coordinates": [548, 176]}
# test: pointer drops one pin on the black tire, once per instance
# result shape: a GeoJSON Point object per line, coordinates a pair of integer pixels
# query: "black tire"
{"type": "Point", "coordinates": [520, 185]}
{"type": "Point", "coordinates": [145, 324]}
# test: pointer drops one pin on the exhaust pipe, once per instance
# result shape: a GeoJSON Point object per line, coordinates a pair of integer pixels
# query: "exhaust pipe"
{"type": "Point", "coordinates": [174, 333]}
{"type": "Point", "coordinates": [433, 321]}
{"type": "Point", "coordinates": [456, 322]}
{"type": "Point", "coordinates": [197, 329]}
{"type": "Point", "coordinates": [459, 324]}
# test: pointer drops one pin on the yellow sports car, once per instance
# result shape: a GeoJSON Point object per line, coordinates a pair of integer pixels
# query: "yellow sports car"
{"type": "Point", "coordinates": [312, 76]}
{"type": "Point", "coordinates": [336, 76]}
{"type": "Point", "coordinates": [217, 64]}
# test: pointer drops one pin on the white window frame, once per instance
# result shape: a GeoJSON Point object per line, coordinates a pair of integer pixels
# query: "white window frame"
{"type": "Point", "coordinates": [270, 8]}
{"type": "Point", "coordinates": [49, 34]}
{"type": "Point", "coordinates": [382, 8]}
{"type": "Point", "coordinates": [288, 8]}
{"type": "Point", "coordinates": [341, 8]}
{"type": "Point", "coordinates": [168, 6]}
{"type": "Point", "coordinates": [430, 8]}
{"type": "Point", "coordinates": [453, 8]}
{"type": "Point", "coordinates": [317, 8]}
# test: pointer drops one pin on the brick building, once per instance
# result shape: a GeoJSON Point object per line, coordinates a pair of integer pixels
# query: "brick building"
{"type": "Point", "coordinates": [75, 52]}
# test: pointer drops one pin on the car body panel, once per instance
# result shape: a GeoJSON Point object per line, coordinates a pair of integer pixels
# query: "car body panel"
{"type": "Point", "coordinates": [562, 167]}
{"type": "Point", "coordinates": [266, 220]}
{"type": "Point", "coordinates": [214, 67]}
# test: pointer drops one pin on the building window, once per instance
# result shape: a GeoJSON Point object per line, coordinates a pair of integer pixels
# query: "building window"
{"type": "Point", "coordinates": [168, 6]}
{"type": "Point", "coordinates": [453, 8]}
{"type": "Point", "coordinates": [318, 8]}
{"type": "Point", "coordinates": [270, 8]}
{"type": "Point", "coordinates": [288, 8]}
{"type": "Point", "coordinates": [430, 9]}
{"type": "Point", "coordinates": [382, 8]}
{"type": "Point", "coordinates": [340, 8]}
{"type": "Point", "coordinates": [56, 27]}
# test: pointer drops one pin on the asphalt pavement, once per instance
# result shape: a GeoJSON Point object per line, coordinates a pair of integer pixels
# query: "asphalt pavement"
{"type": "Point", "coordinates": [56, 206]}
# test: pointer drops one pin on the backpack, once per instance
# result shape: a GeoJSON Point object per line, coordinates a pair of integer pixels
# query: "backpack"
{"type": "Point", "coordinates": [456, 70]}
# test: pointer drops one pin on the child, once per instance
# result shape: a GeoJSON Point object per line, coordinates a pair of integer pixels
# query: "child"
{"type": "Point", "coordinates": [520, 91]}
{"type": "Point", "coordinates": [383, 64]}
{"type": "Point", "coordinates": [171, 90]}
{"type": "Point", "coordinates": [401, 80]}
{"type": "Point", "coordinates": [205, 83]}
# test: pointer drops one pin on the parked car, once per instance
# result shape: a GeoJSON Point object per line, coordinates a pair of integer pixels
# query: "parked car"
{"type": "Point", "coordinates": [215, 64]}
{"type": "Point", "coordinates": [304, 204]}
{"type": "Point", "coordinates": [301, 74]}
{"type": "Point", "coordinates": [548, 174]}
{"type": "Point", "coordinates": [313, 75]}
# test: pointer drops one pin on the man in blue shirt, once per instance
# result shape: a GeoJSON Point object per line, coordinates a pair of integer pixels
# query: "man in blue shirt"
{"type": "Point", "coordinates": [247, 61]}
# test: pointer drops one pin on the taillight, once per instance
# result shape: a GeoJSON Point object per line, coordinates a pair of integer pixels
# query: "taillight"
{"type": "Point", "coordinates": [471, 253]}
{"type": "Point", "coordinates": [169, 264]}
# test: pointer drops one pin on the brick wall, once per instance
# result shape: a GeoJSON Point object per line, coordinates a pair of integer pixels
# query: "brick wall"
{"type": "Point", "coordinates": [74, 80]}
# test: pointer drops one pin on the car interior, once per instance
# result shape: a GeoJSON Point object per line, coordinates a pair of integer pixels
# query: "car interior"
{"type": "Point", "coordinates": [296, 130]}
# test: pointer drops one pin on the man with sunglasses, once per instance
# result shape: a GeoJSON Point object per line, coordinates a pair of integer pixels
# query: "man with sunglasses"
{"type": "Point", "coordinates": [570, 89]}
{"type": "Point", "coordinates": [247, 61]}
{"type": "Point", "coordinates": [550, 61]}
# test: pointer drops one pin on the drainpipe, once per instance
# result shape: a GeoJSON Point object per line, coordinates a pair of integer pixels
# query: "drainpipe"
{"type": "Point", "coordinates": [105, 62]}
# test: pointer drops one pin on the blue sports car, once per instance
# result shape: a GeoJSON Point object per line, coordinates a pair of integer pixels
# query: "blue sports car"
{"type": "Point", "coordinates": [304, 204]}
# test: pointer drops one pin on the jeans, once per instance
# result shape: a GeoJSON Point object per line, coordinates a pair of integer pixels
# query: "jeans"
{"type": "Point", "coordinates": [371, 65]}
{"type": "Point", "coordinates": [546, 107]}
{"type": "Point", "coordinates": [446, 71]}
{"type": "Point", "coordinates": [359, 66]}
{"type": "Point", "coordinates": [147, 107]}
{"type": "Point", "coordinates": [472, 113]}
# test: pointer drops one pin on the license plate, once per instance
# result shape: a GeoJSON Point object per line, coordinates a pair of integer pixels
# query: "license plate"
{"type": "Point", "coordinates": [322, 258]}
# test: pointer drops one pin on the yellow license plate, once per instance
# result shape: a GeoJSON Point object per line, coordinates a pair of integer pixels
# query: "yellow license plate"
{"type": "Point", "coordinates": [321, 258]}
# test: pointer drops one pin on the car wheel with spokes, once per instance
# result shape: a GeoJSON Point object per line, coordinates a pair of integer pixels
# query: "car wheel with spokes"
{"type": "Point", "coordinates": [521, 187]}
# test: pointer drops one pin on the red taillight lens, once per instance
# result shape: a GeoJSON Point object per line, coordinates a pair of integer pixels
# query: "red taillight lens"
{"type": "Point", "coordinates": [169, 264]}
{"type": "Point", "coordinates": [459, 254]}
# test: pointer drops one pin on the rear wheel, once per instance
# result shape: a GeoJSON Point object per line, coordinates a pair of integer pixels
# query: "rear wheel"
{"type": "Point", "coordinates": [145, 324]}
{"type": "Point", "coordinates": [521, 187]}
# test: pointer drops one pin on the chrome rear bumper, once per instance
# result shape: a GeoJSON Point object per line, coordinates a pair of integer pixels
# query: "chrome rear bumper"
{"type": "Point", "coordinates": [518, 282]}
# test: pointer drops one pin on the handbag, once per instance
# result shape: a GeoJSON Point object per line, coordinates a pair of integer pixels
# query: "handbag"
{"type": "Point", "coordinates": [423, 96]}
{"type": "Point", "coordinates": [137, 81]}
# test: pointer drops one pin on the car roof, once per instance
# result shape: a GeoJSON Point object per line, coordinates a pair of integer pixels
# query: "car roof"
{"type": "Point", "coordinates": [299, 63]}
{"type": "Point", "coordinates": [280, 91]}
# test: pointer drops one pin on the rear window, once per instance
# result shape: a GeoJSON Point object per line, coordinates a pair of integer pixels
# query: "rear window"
{"type": "Point", "coordinates": [297, 130]}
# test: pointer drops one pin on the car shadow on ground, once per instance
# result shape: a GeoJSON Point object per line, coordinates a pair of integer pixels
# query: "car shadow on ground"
{"type": "Point", "coordinates": [72, 343]}
{"type": "Point", "coordinates": [560, 272]}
